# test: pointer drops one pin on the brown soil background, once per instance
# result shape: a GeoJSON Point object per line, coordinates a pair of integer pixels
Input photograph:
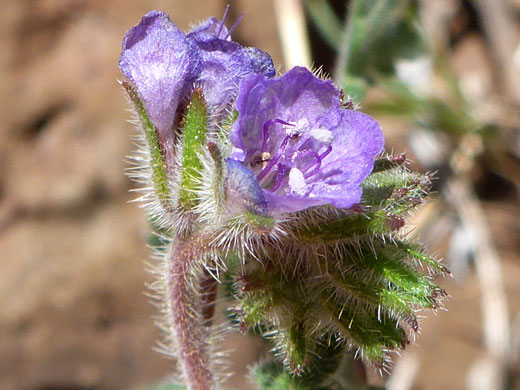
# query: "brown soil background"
{"type": "Point", "coordinates": [73, 315]}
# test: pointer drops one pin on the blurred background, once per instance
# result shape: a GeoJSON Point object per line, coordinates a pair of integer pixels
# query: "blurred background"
{"type": "Point", "coordinates": [443, 78]}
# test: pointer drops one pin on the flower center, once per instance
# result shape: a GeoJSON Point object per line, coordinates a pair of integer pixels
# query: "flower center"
{"type": "Point", "coordinates": [292, 156]}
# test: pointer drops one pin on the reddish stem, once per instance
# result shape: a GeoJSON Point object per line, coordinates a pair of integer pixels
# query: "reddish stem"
{"type": "Point", "coordinates": [208, 295]}
{"type": "Point", "coordinates": [190, 333]}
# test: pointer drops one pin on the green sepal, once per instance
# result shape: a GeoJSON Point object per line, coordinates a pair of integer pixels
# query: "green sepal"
{"type": "Point", "coordinates": [389, 193]}
{"type": "Point", "coordinates": [389, 162]}
{"type": "Point", "coordinates": [222, 137]}
{"type": "Point", "coordinates": [296, 344]}
{"type": "Point", "coordinates": [388, 262]}
{"type": "Point", "coordinates": [253, 309]}
{"type": "Point", "coordinates": [335, 370]}
{"type": "Point", "coordinates": [364, 292]}
{"type": "Point", "coordinates": [372, 292]}
{"type": "Point", "coordinates": [218, 160]}
{"type": "Point", "coordinates": [158, 162]}
{"type": "Point", "coordinates": [349, 227]}
{"type": "Point", "coordinates": [228, 122]}
{"type": "Point", "coordinates": [193, 144]}
{"type": "Point", "coordinates": [260, 223]}
{"type": "Point", "coordinates": [416, 252]}
{"type": "Point", "coordinates": [395, 190]}
{"type": "Point", "coordinates": [272, 375]}
{"type": "Point", "coordinates": [372, 334]}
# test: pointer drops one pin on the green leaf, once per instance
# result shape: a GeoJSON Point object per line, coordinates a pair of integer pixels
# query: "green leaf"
{"type": "Point", "coordinates": [449, 116]}
{"type": "Point", "coordinates": [379, 33]}
{"type": "Point", "coordinates": [194, 141]}
{"type": "Point", "coordinates": [326, 21]}
{"type": "Point", "coordinates": [354, 87]}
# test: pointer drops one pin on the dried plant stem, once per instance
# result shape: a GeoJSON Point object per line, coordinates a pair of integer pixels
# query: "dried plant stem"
{"type": "Point", "coordinates": [404, 373]}
{"type": "Point", "coordinates": [494, 305]}
{"type": "Point", "coordinates": [290, 19]}
{"type": "Point", "coordinates": [342, 59]}
{"type": "Point", "coordinates": [499, 25]}
{"type": "Point", "coordinates": [190, 332]}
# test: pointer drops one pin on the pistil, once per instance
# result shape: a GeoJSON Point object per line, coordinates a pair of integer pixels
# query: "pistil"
{"type": "Point", "coordinates": [275, 159]}
{"type": "Point", "coordinates": [266, 130]}
{"type": "Point", "coordinates": [279, 177]}
{"type": "Point", "coordinates": [300, 133]}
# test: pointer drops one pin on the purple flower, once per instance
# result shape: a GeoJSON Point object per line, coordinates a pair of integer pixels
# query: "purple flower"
{"type": "Point", "coordinates": [164, 64]}
{"type": "Point", "coordinates": [304, 148]}
{"type": "Point", "coordinates": [225, 62]}
{"type": "Point", "coordinates": [158, 59]}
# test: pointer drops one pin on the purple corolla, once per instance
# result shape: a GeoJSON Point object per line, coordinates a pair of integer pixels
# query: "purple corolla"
{"type": "Point", "coordinates": [165, 64]}
{"type": "Point", "coordinates": [304, 148]}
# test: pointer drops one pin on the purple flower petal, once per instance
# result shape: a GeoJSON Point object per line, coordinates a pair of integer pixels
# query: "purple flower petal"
{"type": "Point", "coordinates": [304, 148]}
{"type": "Point", "coordinates": [158, 59]}
{"type": "Point", "coordinates": [224, 68]}
{"type": "Point", "coordinates": [225, 63]}
{"type": "Point", "coordinates": [243, 189]}
{"type": "Point", "coordinates": [164, 64]}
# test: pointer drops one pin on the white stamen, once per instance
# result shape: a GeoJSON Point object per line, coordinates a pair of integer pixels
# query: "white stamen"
{"type": "Point", "coordinates": [302, 126]}
{"type": "Point", "coordinates": [322, 135]}
{"type": "Point", "coordinates": [297, 182]}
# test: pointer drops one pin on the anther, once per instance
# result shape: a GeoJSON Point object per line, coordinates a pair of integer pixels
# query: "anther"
{"type": "Point", "coordinates": [261, 158]}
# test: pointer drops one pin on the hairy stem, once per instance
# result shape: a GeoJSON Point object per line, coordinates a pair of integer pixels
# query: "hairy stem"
{"type": "Point", "coordinates": [208, 289]}
{"type": "Point", "coordinates": [188, 325]}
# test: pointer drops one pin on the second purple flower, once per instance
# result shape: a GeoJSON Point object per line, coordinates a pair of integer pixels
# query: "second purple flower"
{"type": "Point", "coordinates": [304, 148]}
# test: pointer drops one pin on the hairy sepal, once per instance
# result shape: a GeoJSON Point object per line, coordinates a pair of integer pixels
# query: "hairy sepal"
{"type": "Point", "coordinates": [390, 193]}
{"type": "Point", "coordinates": [193, 144]}
{"type": "Point", "coordinates": [151, 168]}
{"type": "Point", "coordinates": [364, 295]}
